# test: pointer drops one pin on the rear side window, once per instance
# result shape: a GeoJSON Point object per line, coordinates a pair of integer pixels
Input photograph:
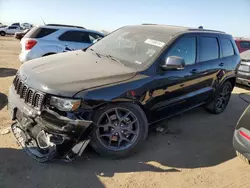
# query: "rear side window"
{"type": "Point", "coordinates": [75, 36]}
{"type": "Point", "coordinates": [39, 32]}
{"type": "Point", "coordinates": [209, 48]}
{"type": "Point", "coordinates": [184, 48]}
{"type": "Point", "coordinates": [227, 47]}
{"type": "Point", "coordinates": [13, 27]}
{"type": "Point", "coordinates": [245, 44]}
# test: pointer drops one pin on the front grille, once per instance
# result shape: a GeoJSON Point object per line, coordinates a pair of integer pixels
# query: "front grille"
{"type": "Point", "coordinates": [30, 96]}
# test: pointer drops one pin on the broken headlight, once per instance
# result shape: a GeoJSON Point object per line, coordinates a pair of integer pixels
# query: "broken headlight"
{"type": "Point", "coordinates": [65, 104]}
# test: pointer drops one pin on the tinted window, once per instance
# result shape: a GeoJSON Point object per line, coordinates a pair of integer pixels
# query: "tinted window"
{"type": "Point", "coordinates": [75, 36]}
{"type": "Point", "coordinates": [245, 44]}
{"type": "Point", "coordinates": [227, 47]}
{"type": "Point", "coordinates": [209, 48]}
{"type": "Point", "coordinates": [93, 36]}
{"type": "Point", "coordinates": [12, 27]}
{"type": "Point", "coordinates": [39, 32]}
{"type": "Point", "coordinates": [184, 48]}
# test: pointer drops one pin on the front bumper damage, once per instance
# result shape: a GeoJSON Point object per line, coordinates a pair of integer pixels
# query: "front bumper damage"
{"type": "Point", "coordinates": [45, 135]}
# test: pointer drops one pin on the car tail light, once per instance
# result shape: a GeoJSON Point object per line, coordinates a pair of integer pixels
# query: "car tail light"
{"type": "Point", "coordinates": [30, 44]}
{"type": "Point", "coordinates": [245, 135]}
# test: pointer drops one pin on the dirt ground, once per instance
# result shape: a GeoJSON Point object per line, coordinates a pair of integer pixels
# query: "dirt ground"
{"type": "Point", "coordinates": [197, 152]}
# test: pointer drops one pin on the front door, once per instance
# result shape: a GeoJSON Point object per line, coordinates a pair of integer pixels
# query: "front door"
{"type": "Point", "coordinates": [175, 90]}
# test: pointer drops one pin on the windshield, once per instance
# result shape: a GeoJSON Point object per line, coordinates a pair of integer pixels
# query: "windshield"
{"type": "Point", "coordinates": [134, 47]}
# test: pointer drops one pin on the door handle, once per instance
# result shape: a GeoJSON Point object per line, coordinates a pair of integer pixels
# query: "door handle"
{"type": "Point", "coordinates": [194, 71]}
{"type": "Point", "coordinates": [221, 64]}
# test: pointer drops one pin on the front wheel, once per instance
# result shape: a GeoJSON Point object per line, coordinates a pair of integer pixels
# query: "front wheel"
{"type": "Point", "coordinates": [2, 33]}
{"type": "Point", "coordinates": [221, 99]}
{"type": "Point", "coordinates": [120, 130]}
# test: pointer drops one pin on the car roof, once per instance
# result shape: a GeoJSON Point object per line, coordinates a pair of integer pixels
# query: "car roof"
{"type": "Point", "coordinates": [70, 28]}
{"type": "Point", "coordinates": [241, 39]}
{"type": "Point", "coordinates": [171, 30]}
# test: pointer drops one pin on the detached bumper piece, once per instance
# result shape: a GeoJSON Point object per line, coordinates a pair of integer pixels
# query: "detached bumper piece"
{"type": "Point", "coordinates": [51, 136]}
{"type": "Point", "coordinates": [31, 147]}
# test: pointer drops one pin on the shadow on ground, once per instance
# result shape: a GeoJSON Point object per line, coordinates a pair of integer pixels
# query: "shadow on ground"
{"type": "Point", "coordinates": [3, 100]}
{"type": "Point", "coordinates": [5, 72]}
{"type": "Point", "coordinates": [196, 139]}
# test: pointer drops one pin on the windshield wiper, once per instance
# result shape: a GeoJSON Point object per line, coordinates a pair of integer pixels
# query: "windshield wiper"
{"type": "Point", "coordinates": [99, 55]}
{"type": "Point", "coordinates": [113, 58]}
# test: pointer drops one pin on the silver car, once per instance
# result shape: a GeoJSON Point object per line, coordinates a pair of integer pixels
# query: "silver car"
{"type": "Point", "coordinates": [47, 40]}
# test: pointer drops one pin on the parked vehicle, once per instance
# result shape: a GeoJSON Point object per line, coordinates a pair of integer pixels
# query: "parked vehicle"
{"type": "Point", "coordinates": [243, 44]}
{"type": "Point", "coordinates": [47, 40]}
{"type": "Point", "coordinates": [26, 25]}
{"type": "Point", "coordinates": [20, 35]}
{"type": "Point", "coordinates": [110, 93]}
{"type": "Point", "coordinates": [16, 24]}
{"type": "Point", "coordinates": [11, 30]}
{"type": "Point", "coordinates": [241, 138]}
{"type": "Point", "coordinates": [243, 74]}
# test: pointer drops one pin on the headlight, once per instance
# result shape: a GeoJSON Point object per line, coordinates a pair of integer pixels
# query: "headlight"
{"type": "Point", "coordinates": [65, 104]}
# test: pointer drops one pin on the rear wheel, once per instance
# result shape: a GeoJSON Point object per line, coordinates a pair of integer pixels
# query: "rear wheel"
{"type": "Point", "coordinates": [220, 101]}
{"type": "Point", "coordinates": [2, 33]}
{"type": "Point", "coordinates": [120, 130]}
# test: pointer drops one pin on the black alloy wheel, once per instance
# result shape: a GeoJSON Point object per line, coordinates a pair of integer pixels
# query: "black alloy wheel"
{"type": "Point", "coordinates": [119, 130]}
{"type": "Point", "coordinates": [220, 101]}
{"type": "Point", "coordinates": [223, 97]}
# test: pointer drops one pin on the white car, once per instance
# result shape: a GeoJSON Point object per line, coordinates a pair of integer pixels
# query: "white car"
{"type": "Point", "coordinates": [26, 25]}
{"type": "Point", "coordinates": [47, 40]}
{"type": "Point", "coordinates": [11, 30]}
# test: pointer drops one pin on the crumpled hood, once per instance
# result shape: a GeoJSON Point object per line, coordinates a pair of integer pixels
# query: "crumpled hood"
{"type": "Point", "coordinates": [65, 74]}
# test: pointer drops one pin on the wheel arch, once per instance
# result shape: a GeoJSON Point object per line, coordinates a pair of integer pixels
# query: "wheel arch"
{"type": "Point", "coordinates": [50, 53]}
{"type": "Point", "coordinates": [232, 80]}
{"type": "Point", "coordinates": [120, 101]}
{"type": "Point", "coordinates": [3, 32]}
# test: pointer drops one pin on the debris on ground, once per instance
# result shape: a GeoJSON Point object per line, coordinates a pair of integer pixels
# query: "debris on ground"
{"type": "Point", "coordinates": [160, 129]}
{"type": "Point", "coordinates": [5, 131]}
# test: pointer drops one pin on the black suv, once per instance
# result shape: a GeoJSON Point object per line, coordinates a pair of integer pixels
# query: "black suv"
{"type": "Point", "coordinates": [110, 93]}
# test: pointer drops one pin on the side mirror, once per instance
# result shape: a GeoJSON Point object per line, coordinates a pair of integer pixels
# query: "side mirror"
{"type": "Point", "coordinates": [173, 62]}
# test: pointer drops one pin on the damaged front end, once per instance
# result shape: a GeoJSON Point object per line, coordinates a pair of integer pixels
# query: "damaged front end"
{"type": "Point", "coordinates": [47, 134]}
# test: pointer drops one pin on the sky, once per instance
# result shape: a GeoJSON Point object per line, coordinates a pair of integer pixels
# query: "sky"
{"type": "Point", "coordinates": [231, 16]}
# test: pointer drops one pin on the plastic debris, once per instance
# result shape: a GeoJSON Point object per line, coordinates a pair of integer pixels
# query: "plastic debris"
{"type": "Point", "coordinates": [5, 131]}
{"type": "Point", "coordinates": [160, 129]}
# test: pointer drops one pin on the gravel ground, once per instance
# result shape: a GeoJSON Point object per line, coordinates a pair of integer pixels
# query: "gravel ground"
{"type": "Point", "coordinates": [196, 151]}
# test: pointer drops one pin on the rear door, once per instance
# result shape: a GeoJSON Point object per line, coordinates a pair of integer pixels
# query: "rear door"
{"type": "Point", "coordinates": [210, 60]}
{"type": "Point", "coordinates": [74, 40]}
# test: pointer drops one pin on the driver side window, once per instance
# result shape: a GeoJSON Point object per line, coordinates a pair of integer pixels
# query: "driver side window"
{"type": "Point", "coordinates": [185, 48]}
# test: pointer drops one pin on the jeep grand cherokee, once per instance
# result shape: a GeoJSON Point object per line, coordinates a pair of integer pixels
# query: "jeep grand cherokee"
{"type": "Point", "coordinates": [111, 92]}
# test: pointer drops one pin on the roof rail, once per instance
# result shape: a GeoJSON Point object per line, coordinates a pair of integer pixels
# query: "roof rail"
{"type": "Point", "coordinates": [201, 29]}
{"type": "Point", "coordinates": [63, 25]}
{"type": "Point", "coordinates": [149, 24]}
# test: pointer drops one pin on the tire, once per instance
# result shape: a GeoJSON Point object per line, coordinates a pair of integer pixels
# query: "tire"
{"type": "Point", "coordinates": [114, 146]}
{"type": "Point", "coordinates": [218, 105]}
{"type": "Point", "coordinates": [2, 33]}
